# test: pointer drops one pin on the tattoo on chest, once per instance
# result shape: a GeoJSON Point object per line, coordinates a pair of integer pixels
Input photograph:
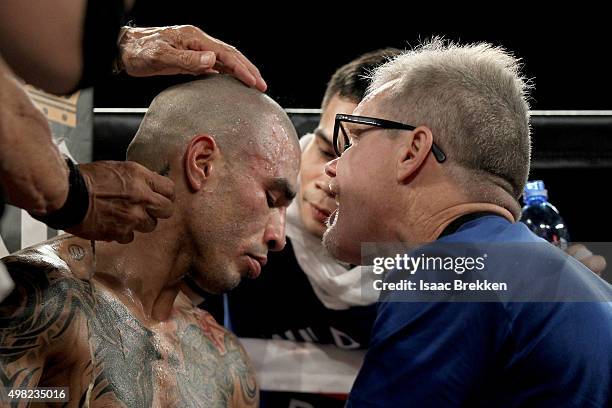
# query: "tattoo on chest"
{"type": "Point", "coordinates": [212, 349]}
{"type": "Point", "coordinates": [197, 364]}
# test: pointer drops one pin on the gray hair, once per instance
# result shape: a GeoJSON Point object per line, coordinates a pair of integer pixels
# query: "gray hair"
{"type": "Point", "coordinates": [473, 98]}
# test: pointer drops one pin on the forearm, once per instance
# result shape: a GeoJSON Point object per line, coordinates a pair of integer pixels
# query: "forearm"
{"type": "Point", "coordinates": [32, 170]}
{"type": "Point", "coordinates": [42, 41]}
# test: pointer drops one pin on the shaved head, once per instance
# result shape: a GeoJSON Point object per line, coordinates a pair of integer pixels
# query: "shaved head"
{"type": "Point", "coordinates": [234, 157]}
{"type": "Point", "coordinates": [217, 105]}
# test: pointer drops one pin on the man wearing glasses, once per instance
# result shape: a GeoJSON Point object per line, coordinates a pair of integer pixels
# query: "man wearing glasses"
{"type": "Point", "coordinates": [437, 153]}
{"type": "Point", "coordinates": [303, 294]}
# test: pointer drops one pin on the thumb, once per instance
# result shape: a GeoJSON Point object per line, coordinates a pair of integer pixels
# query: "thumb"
{"type": "Point", "coordinates": [207, 59]}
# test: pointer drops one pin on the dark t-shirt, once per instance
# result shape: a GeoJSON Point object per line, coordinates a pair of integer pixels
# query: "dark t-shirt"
{"type": "Point", "coordinates": [282, 304]}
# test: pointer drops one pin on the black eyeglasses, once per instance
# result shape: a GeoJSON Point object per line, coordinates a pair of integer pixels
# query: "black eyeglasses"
{"type": "Point", "coordinates": [342, 143]}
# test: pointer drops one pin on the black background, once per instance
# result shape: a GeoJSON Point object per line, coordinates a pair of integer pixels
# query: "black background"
{"type": "Point", "coordinates": [298, 45]}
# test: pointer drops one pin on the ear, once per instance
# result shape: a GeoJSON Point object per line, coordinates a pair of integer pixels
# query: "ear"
{"type": "Point", "coordinates": [413, 152]}
{"type": "Point", "coordinates": [201, 152]}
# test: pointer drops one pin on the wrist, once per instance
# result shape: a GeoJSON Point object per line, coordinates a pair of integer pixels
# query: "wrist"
{"type": "Point", "coordinates": [55, 197]}
{"type": "Point", "coordinates": [76, 205]}
{"type": "Point", "coordinates": [118, 65]}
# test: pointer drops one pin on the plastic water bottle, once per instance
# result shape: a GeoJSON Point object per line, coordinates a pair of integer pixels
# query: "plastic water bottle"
{"type": "Point", "coordinates": [541, 217]}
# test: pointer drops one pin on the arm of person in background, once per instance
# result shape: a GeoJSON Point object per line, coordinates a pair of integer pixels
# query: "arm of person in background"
{"type": "Point", "coordinates": [33, 172]}
{"type": "Point", "coordinates": [42, 41]}
{"type": "Point", "coordinates": [122, 196]}
{"type": "Point", "coordinates": [183, 49]}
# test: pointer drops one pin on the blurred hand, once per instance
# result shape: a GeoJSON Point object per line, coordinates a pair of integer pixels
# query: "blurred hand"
{"type": "Point", "coordinates": [596, 263]}
{"type": "Point", "coordinates": [123, 197]}
{"type": "Point", "coordinates": [182, 49]}
{"type": "Point", "coordinates": [32, 170]}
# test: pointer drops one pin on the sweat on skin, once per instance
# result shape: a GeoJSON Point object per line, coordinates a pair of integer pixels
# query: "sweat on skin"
{"type": "Point", "coordinates": [129, 336]}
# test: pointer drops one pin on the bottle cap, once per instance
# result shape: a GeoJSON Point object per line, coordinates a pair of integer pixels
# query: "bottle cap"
{"type": "Point", "coordinates": [535, 191]}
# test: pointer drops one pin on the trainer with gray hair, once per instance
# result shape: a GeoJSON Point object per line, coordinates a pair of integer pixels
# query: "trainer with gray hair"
{"type": "Point", "coordinates": [435, 157]}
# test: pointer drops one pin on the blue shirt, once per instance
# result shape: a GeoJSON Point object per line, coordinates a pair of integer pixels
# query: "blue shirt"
{"type": "Point", "coordinates": [496, 354]}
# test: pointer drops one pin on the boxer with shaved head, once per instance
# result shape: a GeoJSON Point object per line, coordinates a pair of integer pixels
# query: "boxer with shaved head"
{"type": "Point", "coordinates": [115, 323]}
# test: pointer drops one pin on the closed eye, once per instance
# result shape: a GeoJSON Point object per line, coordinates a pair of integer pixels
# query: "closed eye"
{"type": "Point", "coordinates": [270, 199]}
{"type": "Point", "coordinates": [323, 144]}
{"type": "Point", "coordinates": [279, 193]}
{"type": "Point", "coordinates": [328, 155]}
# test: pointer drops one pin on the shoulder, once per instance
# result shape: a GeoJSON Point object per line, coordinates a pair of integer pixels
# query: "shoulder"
{"type": "Point", "coordinates": [224, 344]}
{"type": "Point", "coordinates": [43, 312]}
{"type": "Point", "coordinates": [60, 256]}
{"type": "Point", "coordinates": [44, 271]}
{"type": "Point", "coordinates": [46, 296]}
{"type": "Point", "coordinates": [221, 338]}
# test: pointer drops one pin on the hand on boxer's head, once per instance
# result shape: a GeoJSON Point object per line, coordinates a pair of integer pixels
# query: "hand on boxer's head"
{"type": "Point", "coordinates": [123, 197]}
{"type": "Point", "coordinates": [182, 49]}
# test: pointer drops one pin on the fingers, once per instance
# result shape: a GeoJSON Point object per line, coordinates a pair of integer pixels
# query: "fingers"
{"type": "Point", "coordinates": [596, 263]}
{"type": "Point", "coordinates": [160, 203]}
{"type": "Point", "coordinates": [233, 62]}
{"type": "Point", "coordinates": [146, 223]}
{"type": "Point", "coordinates": [260, 83]}
{"type": "Point", "coordinates": [125, 197]}
{"type": "Point", "coordinates": [123, 227]}
{"type": "Point", "coordinates": [229, 64]}
{"type": "Point", "coordinates": [175, 61]}
{"type": "Point", "coordinates": [229, 59]}
{"type": "Point", "coordinates": [578, 251]}
{"type": "Point", "coordinates": [161, 185]}
{"type": "Point", "coordinates": [159, 207]}
{"type": "Point", "coordinates": [150, 191]}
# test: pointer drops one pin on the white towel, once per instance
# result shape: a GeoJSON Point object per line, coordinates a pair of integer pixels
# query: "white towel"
{"type": "Point", "coordinates": [336, 284]}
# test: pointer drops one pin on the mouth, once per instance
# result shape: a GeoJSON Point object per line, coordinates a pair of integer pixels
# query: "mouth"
{"type": "Point", "coordinates": [318, 213]}
{"type": "Point", "coordinates": [256, 263]}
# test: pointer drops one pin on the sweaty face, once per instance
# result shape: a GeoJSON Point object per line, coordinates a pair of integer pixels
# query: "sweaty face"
{"type": "Point", "coordinates": [362, 182]}
{"type": "Point", "coordinates": [241, 216]}
{"type": "Point", "coordinates": [315, 200]}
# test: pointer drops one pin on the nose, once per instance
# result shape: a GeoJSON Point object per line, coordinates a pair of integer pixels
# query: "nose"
{"type": "Point", "coordinates": [274, 235]}
{"type": "Point", "coordinates": [330, 167]}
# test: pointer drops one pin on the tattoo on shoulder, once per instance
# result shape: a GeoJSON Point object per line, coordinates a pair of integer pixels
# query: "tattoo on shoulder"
{"type": "Point", "coordinates": [76, 252]}
{"type": "Point", "coordinates": [38, 312]}
{"type": "Point", "coordinates": [241, 367]}
{"type": "Point", "coordinates": [221, 360]}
